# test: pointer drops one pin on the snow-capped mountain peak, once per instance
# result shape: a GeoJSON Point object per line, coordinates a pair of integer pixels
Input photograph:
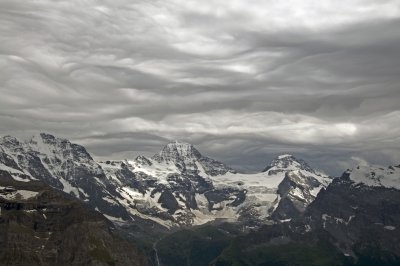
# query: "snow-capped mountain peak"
{"type": "Point", "coordinates": [375, 176]}
{"type": "Point", "coordinates": [186, 157]}
{"type": "Point", "coordinates": [178, 151]}
{"type": "Point", "coordinates": [59, 149]}
{"type": "Point", "coordinates": [288, 162]}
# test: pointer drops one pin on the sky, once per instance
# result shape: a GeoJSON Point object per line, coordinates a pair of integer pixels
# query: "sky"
{"type": "Point", "coordinates": [242, 80]}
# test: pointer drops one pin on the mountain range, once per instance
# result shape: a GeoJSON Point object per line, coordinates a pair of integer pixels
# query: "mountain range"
{"type": "Point", "coordinates": [179, 188]}
{"type": "Point", "coordinates": [176, 187]}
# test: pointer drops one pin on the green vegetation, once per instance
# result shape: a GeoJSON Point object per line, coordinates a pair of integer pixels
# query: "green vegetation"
{"type": "Point", "coordinates": [287, 254]}
{"type": "Point", "coordinates": [373, 254]}
{"type": "Point", "coordinates": [195, 247]}
{"type": "Point", "coordinates": [99, 252]}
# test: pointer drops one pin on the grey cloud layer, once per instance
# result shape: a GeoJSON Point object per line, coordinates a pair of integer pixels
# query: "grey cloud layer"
{"type": "Point", "coordinates": [244, 80]}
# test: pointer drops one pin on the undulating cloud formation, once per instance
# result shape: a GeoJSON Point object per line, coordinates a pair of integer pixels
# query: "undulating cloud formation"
{"type": "Point", "coordinates": [243, 80]}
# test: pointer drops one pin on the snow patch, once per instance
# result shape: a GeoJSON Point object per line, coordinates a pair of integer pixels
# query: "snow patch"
{"type": "Point", "coordinates": [9, 193]}
{"type": "Point", "coordinates": [388, 227]}
{"type": "Point", "coordinates": [376, 176]}
{"type": "Point", "coordinates": [114, 219]}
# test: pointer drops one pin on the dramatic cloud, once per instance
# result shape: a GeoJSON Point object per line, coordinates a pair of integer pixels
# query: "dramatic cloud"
{"type": "Point", "coordinates": [242, 80]}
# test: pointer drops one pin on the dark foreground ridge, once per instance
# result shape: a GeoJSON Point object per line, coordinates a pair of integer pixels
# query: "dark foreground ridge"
{"type": "Point", "coordinates": [42, 226]}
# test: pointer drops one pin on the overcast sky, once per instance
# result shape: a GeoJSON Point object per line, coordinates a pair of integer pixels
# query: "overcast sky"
{"type": "Point", "coordinates": [243, 80]}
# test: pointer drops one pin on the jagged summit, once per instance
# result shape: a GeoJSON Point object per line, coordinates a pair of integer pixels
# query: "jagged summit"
{"type": "Point", "coordinates": [178, 150]}
{"type": "Point", "coordinates": [9, 141]}
{"type": "Point", "coordinates": [8, 138]}
{"type": "Point", "coordinates": [288, 162]}
{"type": "Point", "coordinates": [41, 139]}
{"type": "Point", "coordinates": [50, 146]}
{"type": "Point", "coordinates": [45, 135]}
{"type": "Point", "coordinates": [187, 158]}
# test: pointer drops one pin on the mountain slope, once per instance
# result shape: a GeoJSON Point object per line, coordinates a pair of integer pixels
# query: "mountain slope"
{"type": "Point", "coordinates": [42, 226]}
{"type": "Point", "coordinates": [64, 166]}
{"type": "Point", "coordinates": [375, 176]}
{"type": "Point", "coordinates": [172, 187]}
{"type": "Point", "coordinates": [282, 191]}
{"type": "Point", "coordinates": [354, 221]}
{"type": "Point", "coordinates": [357, 212]}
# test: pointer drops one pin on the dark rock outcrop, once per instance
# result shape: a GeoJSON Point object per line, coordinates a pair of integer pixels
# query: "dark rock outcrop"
{"type": "Point", "coordinates": [42, 226]}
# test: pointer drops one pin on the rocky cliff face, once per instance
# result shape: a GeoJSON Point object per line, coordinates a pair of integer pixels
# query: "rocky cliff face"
{"type": "Point", "coordinates": [298, 190]}
{"type": "Point", "coordinates": [42, 226]}
{"type": "Point", "coordinates": [359, 213]}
